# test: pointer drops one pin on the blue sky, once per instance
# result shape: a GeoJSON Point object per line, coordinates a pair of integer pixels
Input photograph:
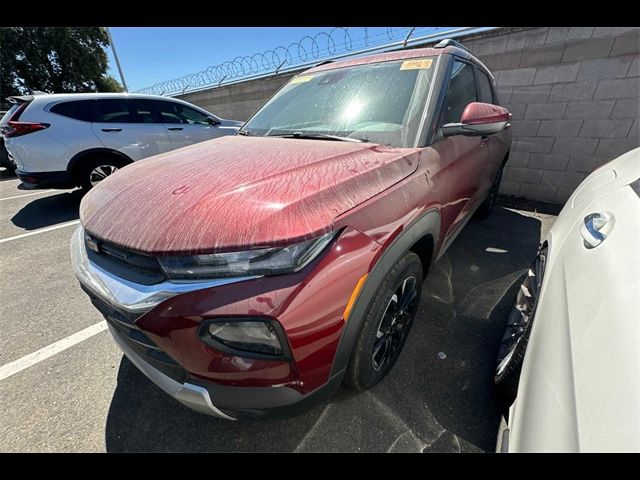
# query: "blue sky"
{"type": "Point", "coordinates": [153, 54]}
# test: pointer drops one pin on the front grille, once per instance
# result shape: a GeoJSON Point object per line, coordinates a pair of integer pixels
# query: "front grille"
{"type": "Point", "coordinates": [124, 263]}
{"type": "Point", "coordinates": [119, 315]}
{"type": "Point", "coordinates": [123, 325]}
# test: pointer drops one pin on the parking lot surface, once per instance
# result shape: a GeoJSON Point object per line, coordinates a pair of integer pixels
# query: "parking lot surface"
{"type": "Point", "coordinates": [65, 386]}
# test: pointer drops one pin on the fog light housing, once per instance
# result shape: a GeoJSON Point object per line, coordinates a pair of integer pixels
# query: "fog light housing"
{"type": "Point", "coordinates": [246, 337]}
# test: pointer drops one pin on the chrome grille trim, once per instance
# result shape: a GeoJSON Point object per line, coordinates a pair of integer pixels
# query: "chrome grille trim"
{"type": "Point", "coordinates": [127, 295]}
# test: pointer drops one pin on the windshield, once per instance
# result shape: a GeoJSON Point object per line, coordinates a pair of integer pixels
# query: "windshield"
{"type": "Point", "coordinates": [380, 103]}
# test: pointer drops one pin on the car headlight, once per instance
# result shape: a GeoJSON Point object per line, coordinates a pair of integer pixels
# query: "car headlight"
{"type": "Point", "coordinates": [263, 261]}
{"type": "Point", "coordinates": [248, 337]}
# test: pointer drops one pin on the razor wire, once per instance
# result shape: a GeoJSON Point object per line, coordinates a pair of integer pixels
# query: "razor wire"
{"type": "Point", "coordinates": [310, 48]}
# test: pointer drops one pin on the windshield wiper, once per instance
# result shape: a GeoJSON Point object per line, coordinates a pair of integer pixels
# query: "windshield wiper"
{"type": "Point", "coordinates": [244, 133]}
{"type": "Point", "coordinates": [320, 136]}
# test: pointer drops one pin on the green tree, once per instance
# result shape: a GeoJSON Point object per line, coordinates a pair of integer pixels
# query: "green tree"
{"type": "Point", "coordinates": [54, 60]}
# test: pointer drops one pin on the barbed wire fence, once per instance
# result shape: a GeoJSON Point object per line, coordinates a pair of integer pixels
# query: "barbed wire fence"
{"type": "Point", "coordinates": [310, 49]}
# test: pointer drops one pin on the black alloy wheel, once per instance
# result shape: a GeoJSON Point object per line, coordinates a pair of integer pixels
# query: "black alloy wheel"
{"type": "Point", "coordinates": [518, 328]}
{"type": "Point", "coordinates": [386, 323]}
{"type": "Point", "coordinates": [394, 323]}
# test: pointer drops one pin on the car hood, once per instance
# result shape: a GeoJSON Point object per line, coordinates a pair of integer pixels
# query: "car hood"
{"type": "Point", "coordinates": [239, 192]}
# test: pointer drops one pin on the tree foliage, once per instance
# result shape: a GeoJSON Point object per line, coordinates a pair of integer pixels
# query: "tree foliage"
{"type": "Point", "coordinates": [54, 60]}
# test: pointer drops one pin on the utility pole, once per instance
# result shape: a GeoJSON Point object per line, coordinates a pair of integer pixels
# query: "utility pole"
{"type": "Point", "coordinates": [115, 54]}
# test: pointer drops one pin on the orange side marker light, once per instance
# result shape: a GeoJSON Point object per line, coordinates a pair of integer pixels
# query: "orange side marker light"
{"type": "Point", "coordinates": [354, 297]}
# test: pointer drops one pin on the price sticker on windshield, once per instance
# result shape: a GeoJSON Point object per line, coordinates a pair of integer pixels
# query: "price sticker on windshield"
{"type": "Point", "coordinates": [302, 79]}
{"type": "Point", "coordinates": [420, 64]}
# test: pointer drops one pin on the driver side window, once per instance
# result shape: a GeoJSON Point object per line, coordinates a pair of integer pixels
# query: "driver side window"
{"type": "Point", "coordinates": [173, 112]}
{"type": "Point", "coordinates": [461, 92]}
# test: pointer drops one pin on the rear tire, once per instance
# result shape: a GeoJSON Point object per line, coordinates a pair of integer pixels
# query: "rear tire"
{"type": "Point", "coordinates": [386, 325]}
{"type": "Point", "coordinates": [93, 171]}
{"type": "Point", "coordinates": [486, 207]}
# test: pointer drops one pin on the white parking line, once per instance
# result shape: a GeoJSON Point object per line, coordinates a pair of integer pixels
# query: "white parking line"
{"type": "Point", "coordinates": [50, 350]}
{"type": "Point", "coordinates": [27, 195]}
{"type": "Point", "coordinates": [40, 230]}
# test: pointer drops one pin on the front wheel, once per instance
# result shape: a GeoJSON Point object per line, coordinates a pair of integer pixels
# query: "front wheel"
{"type": "Point", "coordinates": [94, 171]}
{"type": "Point", "coordinates": [386, 324]}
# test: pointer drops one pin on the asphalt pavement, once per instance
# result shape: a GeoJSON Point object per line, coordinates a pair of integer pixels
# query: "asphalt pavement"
{"type": "Point", "coordinates": [65, 386]}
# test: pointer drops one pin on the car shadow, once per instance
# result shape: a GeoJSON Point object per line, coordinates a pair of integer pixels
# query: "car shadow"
{"type": "Point", "coordinates": [438, 397]}
{"type": "Point", "coordinates": [142, 418]}
{"type": "Point", "coordinates": [466, 300]}
{"type": "Point", "coordinates": [49, 210]}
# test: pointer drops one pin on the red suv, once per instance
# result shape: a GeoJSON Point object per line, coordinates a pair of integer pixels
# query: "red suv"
{"type": "Point", "coordinates": [251, 275]}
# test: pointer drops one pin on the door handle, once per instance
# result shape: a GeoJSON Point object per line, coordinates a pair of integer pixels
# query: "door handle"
{"type": "Point", "coordinates": [111, 129]}
{"type": "Point", "coordinates": [174, 128]}
{"type": "Point", "coordinates": [484, 139]}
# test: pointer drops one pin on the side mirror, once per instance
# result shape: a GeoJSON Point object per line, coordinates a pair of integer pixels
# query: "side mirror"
{"type": "Point", "coordinates": [213, 121]}
{"type": "Point", "coordinates": [479, 119]}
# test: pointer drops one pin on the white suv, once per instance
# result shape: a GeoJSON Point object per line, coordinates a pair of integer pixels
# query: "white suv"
{"type": "Point", "coordinates": [570, 353]}
{"type": "Point", "coordinates": [69, 140]}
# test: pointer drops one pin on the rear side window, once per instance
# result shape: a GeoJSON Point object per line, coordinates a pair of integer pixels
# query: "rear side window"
{"type": "Point", "coordinates": [116, 110]}
{"type": "Point", "coordinates": [173, 112]}
{"type": "Point", "coordinates": [461, 92]}
{"type": "Point", "coordinates": [78, 110]}
{"type": "Point", "coordinates": [485, 94]}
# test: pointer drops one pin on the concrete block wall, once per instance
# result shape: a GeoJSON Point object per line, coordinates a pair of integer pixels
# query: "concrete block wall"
{"type": "Point", "coordinates": [574, 93]}
{"type": "Point", "coordinates": [238, 101]}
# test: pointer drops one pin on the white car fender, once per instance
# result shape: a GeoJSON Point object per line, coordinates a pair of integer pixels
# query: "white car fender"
{"type": "Point", "coordinates": [580, 383]}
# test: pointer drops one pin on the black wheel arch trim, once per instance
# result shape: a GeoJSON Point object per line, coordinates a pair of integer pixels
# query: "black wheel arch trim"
{"type": "Point", "coordinates": [73, 163]}
{"type": "Point", "coordinates": [505, 159]}
{"type": "Point", "coordinates": [426, 224]}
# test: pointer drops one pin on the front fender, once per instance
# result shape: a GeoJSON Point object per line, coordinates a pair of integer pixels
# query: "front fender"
{"type": "Point", "coordinates": [427, 224]}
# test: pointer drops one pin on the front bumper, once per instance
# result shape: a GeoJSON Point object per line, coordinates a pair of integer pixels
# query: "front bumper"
{"type": "Point", "coordinates": [193, 396]}
{"type": "Point", "coordinates": [123, 303]}
{"type": "Point", "coordinates": [35, 180]}
{"type": "Point", "coordinates": [210, 398]}
{"type": "Point", "coordinates": [225, 402]}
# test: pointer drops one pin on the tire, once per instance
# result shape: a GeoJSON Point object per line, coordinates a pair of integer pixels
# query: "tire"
{"type": "Point", "coordinates": [89, 171]}
{"type": "Point", "coordinates": [507, 382]}
{"type": "Point", "coordinates": [383, 326]}
{"type": "Point", "coordinates": [518, 329]}
{"type": "Point", "coordinates": [486, 207]}
{"type": "Point", "coordinates": [4, 159]}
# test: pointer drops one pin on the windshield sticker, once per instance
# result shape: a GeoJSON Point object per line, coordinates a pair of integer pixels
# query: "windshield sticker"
{"type": "Point", "coordinates": [302, 79]}
{"type": "Point", "coordinates": [421, 64]}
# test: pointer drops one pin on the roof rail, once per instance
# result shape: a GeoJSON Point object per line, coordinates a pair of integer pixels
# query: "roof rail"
{"type": "Point", "coordinates": [449, 42]}
{"type": "Point", "coordinates": [324, 62]}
